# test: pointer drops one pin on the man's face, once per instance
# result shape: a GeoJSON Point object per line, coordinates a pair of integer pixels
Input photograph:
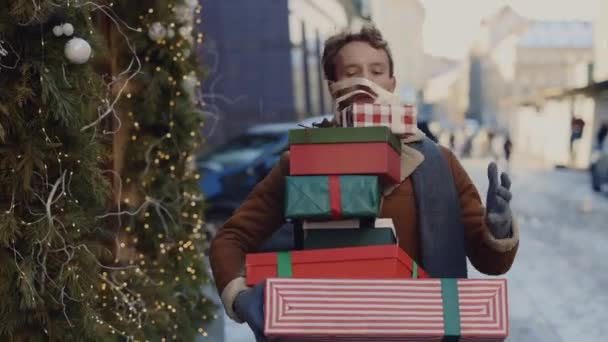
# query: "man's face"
{"type": "Point", "coordinates": [359, 59]}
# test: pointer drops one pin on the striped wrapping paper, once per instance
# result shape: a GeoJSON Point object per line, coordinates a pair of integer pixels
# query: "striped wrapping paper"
{"type": "Point", "coordinates": [402, 120]}
{"type": "Point", "coordinates": [386, 310]}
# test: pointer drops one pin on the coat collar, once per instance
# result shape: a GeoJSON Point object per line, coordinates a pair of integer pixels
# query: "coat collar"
{"type": "Point", "coordinates": [410, 159]}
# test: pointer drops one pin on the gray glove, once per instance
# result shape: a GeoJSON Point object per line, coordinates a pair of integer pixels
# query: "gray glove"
{"type": "Point", "coordinates": [499, 216]}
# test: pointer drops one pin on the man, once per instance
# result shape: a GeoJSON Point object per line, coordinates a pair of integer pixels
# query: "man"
{"type": "Point", "coordinates": [437, 212]}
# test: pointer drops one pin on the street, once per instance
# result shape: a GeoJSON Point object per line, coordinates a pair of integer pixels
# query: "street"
{"type": "Point", "coordinates": [557, 283]}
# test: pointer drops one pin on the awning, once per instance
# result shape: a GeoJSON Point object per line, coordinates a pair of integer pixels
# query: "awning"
{"type": "Point", "coordinates": [592, 89]}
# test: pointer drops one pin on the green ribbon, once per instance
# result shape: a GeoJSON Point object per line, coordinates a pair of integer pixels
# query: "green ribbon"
{"type": "Point", "coordinates": [414, 270]}
{"type": "Point", "coordinates": [284, 269]}
{"type": "Point", "coordinates": [451, 310]}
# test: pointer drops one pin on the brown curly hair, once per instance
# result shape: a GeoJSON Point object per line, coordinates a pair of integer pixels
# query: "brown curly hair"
{"type": "Point", "coordinates": [368, 34]}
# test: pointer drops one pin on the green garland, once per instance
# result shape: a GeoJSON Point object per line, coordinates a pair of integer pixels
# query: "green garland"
{"type": "Point", "coordinates": [51, 186]}
{"type": "Point", "coordinates": [58, 280]}
{"type": "Point", "coordinates": [160, 190]}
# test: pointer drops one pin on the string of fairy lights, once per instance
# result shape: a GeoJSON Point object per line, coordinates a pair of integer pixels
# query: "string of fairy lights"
{"type": "Point", "coordinates": [163, 36]}
{"type": "Point", "coordinates": [52, 195]}
{"type": "Point", "coordinates": [113, 287]}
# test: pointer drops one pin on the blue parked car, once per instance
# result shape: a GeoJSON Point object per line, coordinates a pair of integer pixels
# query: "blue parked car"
{"type": "Point", "coordinates": [230, 171]}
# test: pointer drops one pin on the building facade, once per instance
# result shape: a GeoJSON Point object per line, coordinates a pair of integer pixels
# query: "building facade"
{"type": "Point", "coordinates": [405, 41]}
{"type": "Point", "coordinates": [310, 23]}
{"type": "Point", "coordinates": [601, 65]}
{"type": "Point", "coordinates": [553, 55]}
{"type": "Point", "coordinates": [492, 68]}
{"type": "Point", "coordinates": [601, 43]}
{"type": "Point", "coordinates": [517, 60]}
{"type": "Point", "coordinates": [263, 61]}
{"type": "Point", "coordinates": [555, 83]}
{"type": "Point", "coordinates": [446, 91]}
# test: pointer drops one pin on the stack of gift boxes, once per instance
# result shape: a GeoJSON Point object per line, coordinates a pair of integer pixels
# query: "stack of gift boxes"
{"type": "Point", "coordinates": [349, 279]}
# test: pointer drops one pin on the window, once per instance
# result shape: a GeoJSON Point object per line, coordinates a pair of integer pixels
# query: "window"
{"type": "Point", "coordinates": [297, 66]}
{"type": "Point", "coordinates": [313, 73]}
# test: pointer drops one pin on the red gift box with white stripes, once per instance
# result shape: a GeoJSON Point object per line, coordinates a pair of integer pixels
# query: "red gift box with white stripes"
{"type": "Point", "coordinates": [402, 120]}
{"type": "Point", "coordinates": [386, 309]}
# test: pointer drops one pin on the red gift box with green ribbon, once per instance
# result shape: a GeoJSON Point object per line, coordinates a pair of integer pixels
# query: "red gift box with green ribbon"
{"type": "Point", "coordinates": [369, 262]}
{"type": "Point", "coordinates": [357, 310]}
{"type": "Point", "coordinates": [367, 158]}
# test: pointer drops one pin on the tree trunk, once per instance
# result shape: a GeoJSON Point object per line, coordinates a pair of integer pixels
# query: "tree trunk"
{"type": "Point", "coordinates": [118, 126]}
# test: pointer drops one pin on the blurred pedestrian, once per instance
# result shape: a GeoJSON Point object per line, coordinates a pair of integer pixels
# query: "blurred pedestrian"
{"type": "Point", "coordinates": [508, 148]}
{"type": "Point", "coordinates": [577, 125]}
{"type": "Point", "coordinates": [490, 147]}
{"type": "Point", "coordinates": [467, 148]}
{"type": "Point", "coordinates": [452, 141]}
{"type": "Point", "coordinates": [601, 134]}
{"type": "Point", "coordinates": [439, 225]}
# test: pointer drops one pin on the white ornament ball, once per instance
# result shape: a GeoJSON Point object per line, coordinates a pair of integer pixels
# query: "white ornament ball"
{"type": "Point", "coordinates": [77, 50]}
{"type": "Point", "coordinates": [68, 29]}
{"type": "Point", "coordinates": [185, 31]}
{"type": "Point", "coordinates": [189, 82]}
{"type": "Point", "coordinates": [183, 14]}
{"type": "Point", "coordinates": [192, 3]}
{"type": "Point", "coordinates": [170, 33]}
{"type": "Point", "coordinates": [157, 31]}
{"type": "Point", "coordinates": [187, 53]}
{"type": "Point", "coordinates": [58, 31]}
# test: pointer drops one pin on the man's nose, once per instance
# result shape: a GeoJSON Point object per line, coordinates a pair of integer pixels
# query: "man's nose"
{"type": "Point", "coordinates": [366, 74]}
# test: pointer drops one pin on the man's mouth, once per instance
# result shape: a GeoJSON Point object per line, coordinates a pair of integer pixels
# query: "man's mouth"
{"type": "Point", "coordinates": [361, 97]}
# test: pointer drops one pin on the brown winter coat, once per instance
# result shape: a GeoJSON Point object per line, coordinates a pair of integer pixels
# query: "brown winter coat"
{"type": "Point", "coordinates": [262, 213]}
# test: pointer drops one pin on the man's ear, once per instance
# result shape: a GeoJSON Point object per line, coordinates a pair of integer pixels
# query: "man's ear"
{"type": "Point", "coordinates": [393, 84]}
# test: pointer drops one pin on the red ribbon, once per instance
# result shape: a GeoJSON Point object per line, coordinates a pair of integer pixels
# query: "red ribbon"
{"type": "Point", "coordinates": [335, 200]}
{"type": "Point", "coordinates": [306, 133]}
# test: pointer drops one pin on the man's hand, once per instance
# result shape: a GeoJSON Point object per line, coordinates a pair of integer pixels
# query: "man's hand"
{"type": "Point", "coordinates": [249, 307]}
{"type": "Point", "coordinates": [499, 217]}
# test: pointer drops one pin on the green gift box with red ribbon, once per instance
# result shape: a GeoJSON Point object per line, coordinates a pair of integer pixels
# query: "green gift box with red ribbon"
{"type": "Point", "coordinates": [332, 197]}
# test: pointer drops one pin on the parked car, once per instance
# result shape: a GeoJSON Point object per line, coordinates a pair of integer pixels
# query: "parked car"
{"type": "Point", "coordinates": [599, 167]}
{"type": "Point", "coordinates": [230, 171]}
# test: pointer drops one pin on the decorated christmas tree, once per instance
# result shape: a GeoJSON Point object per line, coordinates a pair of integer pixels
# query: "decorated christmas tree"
{"type": "Point", "coordinates": [51, 183]}
{"type": "Point", "coordinates": [157, 134]}
{"type": "Point", "coordinates": [101, 216]}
